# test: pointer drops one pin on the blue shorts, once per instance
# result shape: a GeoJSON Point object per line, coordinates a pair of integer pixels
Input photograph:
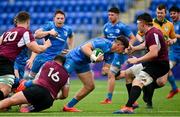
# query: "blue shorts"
{"type": "Point", "coordinates": [175, 57]}
{"type": "Point", "coordinates": [38, 62]}
{"type": "Point", "coordinates": [20, 68]}
{"type": "Point", "coordinates": [71, 66]}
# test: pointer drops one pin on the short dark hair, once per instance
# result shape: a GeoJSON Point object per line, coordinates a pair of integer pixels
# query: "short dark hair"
{"type": "Point", "coordinates": [60, 59]}
{"type": "Point", "coordinates": [174, 8]}
{"type": "Point", "coordinates": [161, 6]}
{"type": "Point", "coordinates": [58, 11]}
{"type": "Point", "coordinates": [114, 10]}
{"type": "Point", "coordinates": [22, 17]}
{"type": "Point", "coordinates": [146, 17]}
{"type": "Point", "coordinates": [124, 40]}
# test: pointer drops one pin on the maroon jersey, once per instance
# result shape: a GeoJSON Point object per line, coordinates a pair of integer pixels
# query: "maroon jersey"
{"type": "Point", "coordinates": [13, 41]}
{"type": "Point", "coordinates": [155, 37]}
{"type": "Point", "coordinates": [52, 76]}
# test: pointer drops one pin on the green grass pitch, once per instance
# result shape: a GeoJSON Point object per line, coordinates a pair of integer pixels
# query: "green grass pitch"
{"type": "Point", "coordinates": [91, 107]}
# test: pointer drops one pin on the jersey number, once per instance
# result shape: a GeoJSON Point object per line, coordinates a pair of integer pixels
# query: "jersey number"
{"type": "Point", "coordinates": [11, 36]}
{"type": "Point", "coordinates": [53, 76]}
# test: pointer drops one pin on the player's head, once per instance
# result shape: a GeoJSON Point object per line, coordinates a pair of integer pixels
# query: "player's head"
{"type": "Point", "coordinates": [161, 12]}
{"type": "Point", "coordinates": [113, 14]}
{"type": "Point", "coordinates": [144, 21]}
{"type": "Point", "coordinates": [23, 17]}
{"type": "Point", "coordinates": [174, 13]}
{"type": "Point", "coordinates": [120, 44]}
{"type": "Point", "coordinates": [59, 18]}
{"type": "Point", "coordinates": [60, 59]}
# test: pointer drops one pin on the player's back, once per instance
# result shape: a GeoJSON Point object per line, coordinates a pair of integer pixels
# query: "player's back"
{"type": "Point", "coordinates": [14, 40]}
{"type": "Point", "coordinates": [52, 76]}
{"type": "Point", "coordinates": [155, 36]}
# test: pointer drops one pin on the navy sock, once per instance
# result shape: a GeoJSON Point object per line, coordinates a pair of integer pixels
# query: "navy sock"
{"type": "Point", "coordinates": [72, 102]}
{"type": "Point", "coordinates": [109, 96]}
{"type": "Point", "coordinates": [134, 94]}
{"type": "Point", "coordinates": [129, 86]}
{"type": "Point", "coordinates": [28, 83]}
{"type": "Point", "coordinates": [171, 80]}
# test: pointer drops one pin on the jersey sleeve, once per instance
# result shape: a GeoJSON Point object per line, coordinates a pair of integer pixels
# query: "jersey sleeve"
{"type": "Point", "coordinates": [47, 26]}
{"type": "Point", "coordinates": [28, 37]}
{"type": "Point", "coordinates": [172, 33]}
{"type": "Point", "coordinates": [152, 39]}
{"type": "Point", "coordinates": [126, 30]}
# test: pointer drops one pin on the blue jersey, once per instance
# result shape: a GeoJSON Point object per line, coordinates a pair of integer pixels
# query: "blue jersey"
{"type": "Point", "coordinates": [112, 31]}
{"type": "Point", "coordinates": [22, 57]}
{"type": "Point", "coordinates": [176, 46]}
{"type": "Point", "coordinates": [58, 43]}
{"type": "Point", "coordinates": [80, 58]}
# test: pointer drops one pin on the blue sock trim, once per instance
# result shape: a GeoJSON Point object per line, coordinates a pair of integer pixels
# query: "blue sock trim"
{"type": "Point", "coordinates": [72, 102]}
{"type": "Point", "coordinates": [29, 83]}
{"type": "Point", "coordinates": [171, 80]}
{"type": "Point", "coordinates": [109, 96]}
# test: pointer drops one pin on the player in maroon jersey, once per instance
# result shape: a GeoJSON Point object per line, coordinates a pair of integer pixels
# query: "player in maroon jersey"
{"type": "Point", "coordinates": [11, 44]}
{"type": "Point", "coordinates": [150, 69]}
{"type": "Point", "coordinates": [51, 78]}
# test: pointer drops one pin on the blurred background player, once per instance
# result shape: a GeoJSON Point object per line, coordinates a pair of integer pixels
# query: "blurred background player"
{"type": "Point", "coordinates": [167, 29]}
{"type": "Point", "coordinates": [11, 44]}
{"type": "Point", "coordinates": [174, 50]}
{"type": "Point", "coordinates": [79, 58]}
{"type": "Point", "coordinates": [113, 29]}
{"type": "Point", "coordinates": [59, 34]}
{"type": "Point", "coordinates": [41, 95]}
{"type": "Point", "coordinates": [155, 59]}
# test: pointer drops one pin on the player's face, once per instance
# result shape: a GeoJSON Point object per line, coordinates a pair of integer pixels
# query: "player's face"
{"type": "Point", "coordinates": [119, 47]}
{"type": "Point", "coordinates": [113, 17]}
{"type": "Point", "coordinates": [140, 25]}
{"type": "Point", "coordinates": [161, 14]}
{"type": "Point", "coordinates": [174, 15]}
{"type": "Point", "coordinates": [59, 19]}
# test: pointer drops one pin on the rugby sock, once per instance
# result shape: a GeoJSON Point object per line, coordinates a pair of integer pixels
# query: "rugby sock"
{"type": "Point", "coordinates": [129, 86]}
{"type": "Point", "coordinates": [171, 80]}
{"type": "Point", "coordinates": [28, 83]}
{"type": "Point", "coordinates": [72, 103]}
{"type": "Point", "coordinates": [1, 95]}
{"type": "Point", "coordinates": [134, 94]}
{"type": "Point", "coordinates": [109, 96]}
{"type": "Point", "coordinates": [149, 91]}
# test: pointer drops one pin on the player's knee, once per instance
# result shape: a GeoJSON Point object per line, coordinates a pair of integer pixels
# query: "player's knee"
{"type": "Point", "coordinates": [90, 87]}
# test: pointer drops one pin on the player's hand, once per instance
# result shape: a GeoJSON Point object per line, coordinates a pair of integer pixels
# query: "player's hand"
{"type": "Point", "coordinates": [65, 51]}
{"type": "Point", "coordinates": [132, 60]}
{"type": "Point", "coordinates": [29, 63]}
{"type": "Point", "coordinates": [47, 43]}
{"type": "Point", "coordinates": [170, 41]}
{"type": "Point", "coordinates": [130, 49]}
{"type": "Point", "coordinates": [53, 33]}
{"type": "Point", "coordinates": [100, 58]}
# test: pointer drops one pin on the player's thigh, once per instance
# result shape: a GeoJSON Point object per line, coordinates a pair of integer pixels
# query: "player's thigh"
{"type": "Point", "coordinates": [18, 98]}
{"type": "Point", "coordinates": [38, 62]}
{"type": "Point", "coordinates": [87, 78]}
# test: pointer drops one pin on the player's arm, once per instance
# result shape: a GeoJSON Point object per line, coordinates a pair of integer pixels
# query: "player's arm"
{"type": "Point", "coordinates": [70, 43]}
{"type": "Point", "coordinates": [40, 33]}
{"type": "Point", "coordinates": [153, 52]}
{"type": "Point", "coordinates": [87, 49]}
{"type": "Point", "coordinates": [38, 48]}
{"type": "Point", "coordinates": [1, 39]}
{"type": "Point", "coordinates": [29, 62]}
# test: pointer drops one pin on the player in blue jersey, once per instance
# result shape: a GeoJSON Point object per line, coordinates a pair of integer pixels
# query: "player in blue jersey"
{"type": "Point", "coordinates": [79, 58]}
{"type": "Point", "coordinates": [174, 50]}
{"type": "Point", "coordinates": [59, 34]}
{"type": "Point", "coordinates": [112, 29]}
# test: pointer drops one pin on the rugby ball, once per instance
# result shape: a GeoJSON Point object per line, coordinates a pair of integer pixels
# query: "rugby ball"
{"type": "Point", "coordinates": [97, 52]}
